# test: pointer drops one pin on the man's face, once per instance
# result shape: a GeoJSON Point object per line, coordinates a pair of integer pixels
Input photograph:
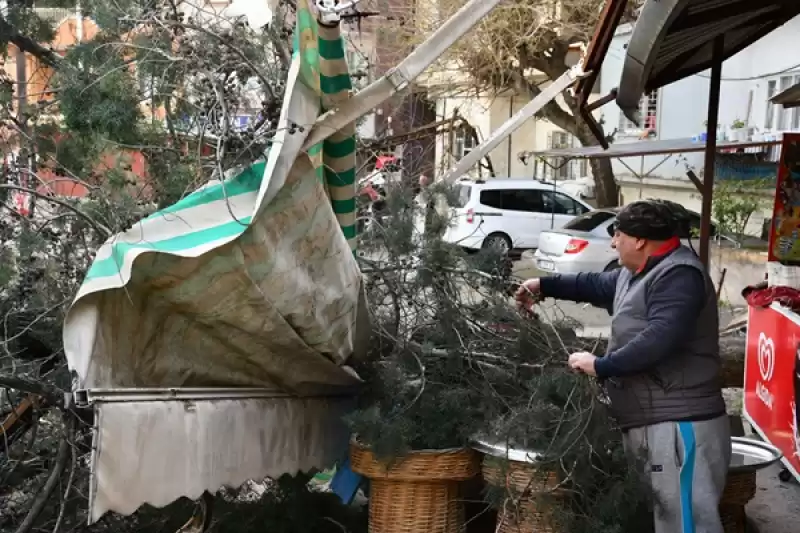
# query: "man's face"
{"type": "Point", "coordinates": [630, 249]}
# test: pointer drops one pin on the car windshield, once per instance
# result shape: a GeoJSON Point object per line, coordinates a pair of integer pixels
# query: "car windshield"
{"type": "Point", "coordinates": [460, 196]}
{"type": "Point", "coordinates": [589, 221]}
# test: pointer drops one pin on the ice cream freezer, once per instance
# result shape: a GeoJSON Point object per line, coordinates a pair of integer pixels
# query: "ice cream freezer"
{"type": "Point", "coordinates": [772, 381]}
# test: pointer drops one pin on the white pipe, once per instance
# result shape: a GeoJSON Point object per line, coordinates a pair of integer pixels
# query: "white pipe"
{"type": "Point", "coordinates": [398, 78]}
{"type": "Point", "coordinates": [513, 124]}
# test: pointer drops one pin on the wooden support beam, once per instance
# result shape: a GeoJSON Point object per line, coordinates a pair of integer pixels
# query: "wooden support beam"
{"type": "Point", "coordinates": [711, 149]}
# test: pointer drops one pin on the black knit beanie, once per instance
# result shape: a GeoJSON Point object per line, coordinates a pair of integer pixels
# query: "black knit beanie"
{"type": "Point", "coordinates": [655, 220]}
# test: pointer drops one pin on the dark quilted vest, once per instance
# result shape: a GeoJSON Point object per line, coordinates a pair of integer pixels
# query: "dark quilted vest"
{"type": "Point", "coordinates": [685, 386]}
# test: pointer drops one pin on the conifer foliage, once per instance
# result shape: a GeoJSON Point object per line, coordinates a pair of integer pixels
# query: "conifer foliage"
{"type": "Point", "coordinates": [453, 360]}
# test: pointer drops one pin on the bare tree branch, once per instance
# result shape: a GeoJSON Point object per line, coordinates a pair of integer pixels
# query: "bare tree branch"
{"type": "Point", "coordinates": [52, 481]}
{"type": "Point", "coordinates": [96, 225]}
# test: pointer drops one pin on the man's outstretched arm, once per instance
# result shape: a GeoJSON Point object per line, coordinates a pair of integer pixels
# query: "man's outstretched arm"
{"type": "Point", "coordinates": [596, 289]}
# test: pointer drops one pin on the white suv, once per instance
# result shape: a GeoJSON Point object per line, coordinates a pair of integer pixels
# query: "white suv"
{"type": "Point", "coordinates": [508, 214]}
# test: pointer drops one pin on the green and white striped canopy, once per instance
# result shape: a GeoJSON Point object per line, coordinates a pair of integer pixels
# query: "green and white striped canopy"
{"type": "Point", "coordinates": [247, 282]}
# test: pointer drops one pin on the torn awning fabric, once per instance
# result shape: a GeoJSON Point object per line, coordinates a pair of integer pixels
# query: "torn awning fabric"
{"type": "Point", "coordinates": [248, 282]}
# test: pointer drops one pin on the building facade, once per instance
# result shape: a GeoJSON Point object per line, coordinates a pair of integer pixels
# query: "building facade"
{"type": "Point", "coordinates": [679, 111]}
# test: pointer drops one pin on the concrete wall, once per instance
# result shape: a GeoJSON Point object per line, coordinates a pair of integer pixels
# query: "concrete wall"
{"type": "Point", "coordinates": [744, 268]}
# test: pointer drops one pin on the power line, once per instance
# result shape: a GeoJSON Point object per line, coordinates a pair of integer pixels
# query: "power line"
{"type": "Point", "coordinates": [755, 78]}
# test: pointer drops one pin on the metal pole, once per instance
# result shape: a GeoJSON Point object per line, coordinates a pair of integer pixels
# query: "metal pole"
{"type": "Point", "coordinates": [711, 149]}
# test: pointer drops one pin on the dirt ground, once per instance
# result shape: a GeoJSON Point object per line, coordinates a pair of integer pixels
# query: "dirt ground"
{"type": "Point", "coordinates": [776, 507]}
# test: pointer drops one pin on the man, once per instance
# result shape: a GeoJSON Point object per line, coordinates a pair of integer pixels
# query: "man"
{"type": "Point", "coordinates": [662, 367]}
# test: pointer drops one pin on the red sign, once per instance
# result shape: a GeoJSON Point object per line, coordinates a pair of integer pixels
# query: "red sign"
{"type": "Point", "coordinates": [784, 238]}
{"type": "Point", "coordinates": [772, 380]}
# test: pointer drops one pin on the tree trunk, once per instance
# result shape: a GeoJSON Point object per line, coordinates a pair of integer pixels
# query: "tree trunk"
{"type": "Point", "coordinates": [606, 188]}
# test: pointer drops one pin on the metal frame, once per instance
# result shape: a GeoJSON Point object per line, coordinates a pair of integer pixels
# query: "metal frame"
{"type": "Point", "coordinates": [88, 397]}
{"type": "Point", "coordinates": [653, 148]}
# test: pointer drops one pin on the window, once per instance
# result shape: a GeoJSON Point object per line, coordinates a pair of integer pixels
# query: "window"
{"type": "Point", "coordinates": [492, 199]}
{"type": "Point", "coordinates": [527, 200]}
{"type": "Point", "coordinates": [561, 204]}
{"type": "Point", "coordinates": [784, 115]}
{"type": "Point", "coordinates": [561, 168]}
{"type": "Point", "coordinates": [648, 112]}
{"type": "Point", "coordinates": [560, 165]}
{"type": "Point", "coordinates": [461, 196]}
{"type": "Point", "coordinates": [589, 221]}
{"type": "Point", "coordinates": [359, 65]}
{"type": "Point", "coordinates": [463, 143]}
{"type": "Point", "coordinates": [777, 118]}
{"type": "Point", "coordinates": [770, 120]}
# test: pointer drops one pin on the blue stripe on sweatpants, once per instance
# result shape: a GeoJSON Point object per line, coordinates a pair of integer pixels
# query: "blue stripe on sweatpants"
{"type": "Point", "coordinates": [687, 475]}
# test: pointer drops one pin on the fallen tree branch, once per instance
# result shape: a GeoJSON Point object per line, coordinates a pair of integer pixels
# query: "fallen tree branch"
{"type": "Point", "coordinates": [52, 480]}
{"type": "Point", "coordinates": [26, 44]}
{"type": "Point", "coordinates": [50, 393]}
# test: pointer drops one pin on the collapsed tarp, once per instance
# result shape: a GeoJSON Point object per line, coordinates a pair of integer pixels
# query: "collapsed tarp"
{"type": "Point", "coordinates": [250, 282]}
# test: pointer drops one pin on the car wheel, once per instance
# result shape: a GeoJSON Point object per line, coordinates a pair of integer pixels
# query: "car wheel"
{"type": "Point", "coordinates": [498, 241]}
{"type": "Point", "coordinates": [612, 266]}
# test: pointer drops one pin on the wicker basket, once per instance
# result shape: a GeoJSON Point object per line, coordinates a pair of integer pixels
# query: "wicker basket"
{"type": "Point", "coordinates": [420, 493]}
{"type": "Point", "coordinates": [739, 490]}
{"type": "Point", "coordinates": [520, 512]}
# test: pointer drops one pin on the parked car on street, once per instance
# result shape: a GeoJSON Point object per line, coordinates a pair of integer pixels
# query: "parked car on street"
{"type": "Point", "coordinates": [584, 243]}
{"type": "Point", "coordinates": [507, 214]}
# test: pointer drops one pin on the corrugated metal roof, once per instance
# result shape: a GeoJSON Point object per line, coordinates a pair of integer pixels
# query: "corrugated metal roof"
{"type": "Point", "coordinates": [642, 148]}
{"type": "Point", "coordinates": [788, 98]}
{"type": "Point", "coordinates": [673, 39]}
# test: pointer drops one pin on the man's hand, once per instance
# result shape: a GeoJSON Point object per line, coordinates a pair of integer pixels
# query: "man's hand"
{"type": "Point", "coordinates": [528, 293]}
{"type": "Point", "coordinates": [583, 362]}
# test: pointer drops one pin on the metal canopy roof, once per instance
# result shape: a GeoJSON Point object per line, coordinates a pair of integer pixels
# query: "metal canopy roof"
{"type": "Point", "coordinates": [674, 39]}
{"type": "Point", "coordinates": [643, 148]}
{"type": "Point", "coordinates": [788, 98]}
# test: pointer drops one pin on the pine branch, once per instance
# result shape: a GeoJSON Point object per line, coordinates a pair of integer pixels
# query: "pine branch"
{"type": "Point", "coordinates": [30, 46]}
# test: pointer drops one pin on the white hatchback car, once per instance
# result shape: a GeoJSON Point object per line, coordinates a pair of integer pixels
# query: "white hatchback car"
{"type": "Point", "coordinates": [508, 214]}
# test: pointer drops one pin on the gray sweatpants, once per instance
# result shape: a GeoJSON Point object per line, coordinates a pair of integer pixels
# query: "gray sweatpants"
{"type": "Point", "coordinates": [687, 463]}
